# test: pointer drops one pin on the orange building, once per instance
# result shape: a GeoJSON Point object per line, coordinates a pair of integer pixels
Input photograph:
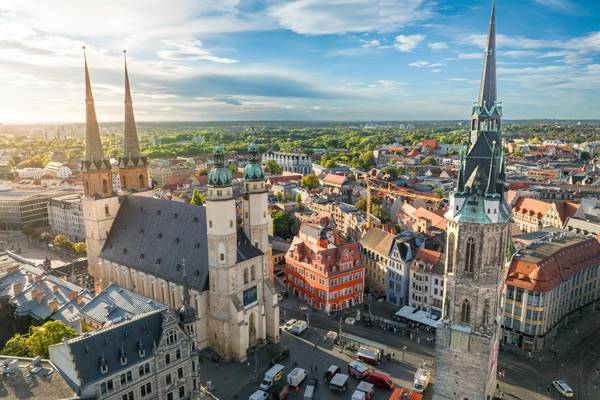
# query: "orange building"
{"type": "Point", "coordinates": [322, 270]}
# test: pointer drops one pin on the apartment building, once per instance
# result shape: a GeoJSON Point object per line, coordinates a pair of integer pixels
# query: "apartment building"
{"type": "Point", "coordinates": [65, 215]}
{"type": "Point", "coordinates": [548, 285]}
{"type": "Point", "coordinates": [531, 215]}
{"type": "Point", "coordinates": [324, 271]}
{"type": "Point", "coordinates": [427, 281]}
{"type": "Point", "coordinates": [299, 163]}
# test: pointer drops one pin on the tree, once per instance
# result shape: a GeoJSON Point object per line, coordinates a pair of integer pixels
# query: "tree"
{"type": "Point", "coordinates": [361, 204]}
{"type": "Point", "coordinates": [79, 248]}
{"type": "Point", "coordinates": [366, 159]}
{"type": "Point", "coordinates": [282, 224]}
{"type": "Point", "coordinates": [428, 161]}
{"type": "Point", "coordinates": [584, 156]}
{"type": "Point", "coordinates": [310, 181]}
{"type": "Point", "coordinates": [36, 342]}
{"type": "Point", "coordinates": [391, 171]}
{"type": "Point", "coordinates": [273, 167]}
{"type": "Point", "coordinates": [378, 211]}
{"type": "Point", "coordinates": [61, 240]}
{"type": "Point", "coordinates": [197, 198]}
{"type": "Point", "coordinates": [535, 140]}
{"type": "Point", "coordinates": [279, 195]}
{"type": "Point", "coordinates": [298, 198]}
{"type": "Point", "coordinates": [329, 164]}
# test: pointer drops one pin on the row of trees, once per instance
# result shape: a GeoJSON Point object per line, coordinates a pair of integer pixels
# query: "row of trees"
{"type": "Point", "coordinates": [36, 341]}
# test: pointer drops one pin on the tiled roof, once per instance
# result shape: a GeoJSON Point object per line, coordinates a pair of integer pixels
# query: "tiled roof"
{"type": "Point", "coordinates": [435, 258]}
{"type": "Point", "coordinates": [378, 240]}
{"type": "Point", "coordinates": [334, 179]}
{"type": "Point", "coordinates": [525, 205]}
{"type": "Point", "coordinates": [544, 266]}
{"type": "Point", "coordinates": [431, 143]}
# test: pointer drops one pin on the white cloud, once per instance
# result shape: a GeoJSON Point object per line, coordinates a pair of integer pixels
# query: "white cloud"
{"type": "Point", "coordinates": [469, 56]}
{"type": "Point", "coordinates": [560, 5]}
{"type": "Point", "coordinates": [189, 49]}
{"type": "Point", "coordinates": [315, 17]}
{"type": "Point", "coordinates": [437, 45]}
{"type": "Point", "coordinates": [426, 64]}
{"type": "Point", "coordinates": [406, 43]}
{"type": "Point", "coordinates": [370, 43]}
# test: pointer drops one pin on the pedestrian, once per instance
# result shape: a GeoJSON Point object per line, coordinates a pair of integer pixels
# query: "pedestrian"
{"type": "Point", "coordinates": [548, 388]}
{"type": "Point", "coordinates": [316, 368]}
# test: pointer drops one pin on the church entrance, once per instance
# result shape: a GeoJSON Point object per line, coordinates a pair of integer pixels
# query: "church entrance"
{"type": "Point", "coordinates": [252, 331]}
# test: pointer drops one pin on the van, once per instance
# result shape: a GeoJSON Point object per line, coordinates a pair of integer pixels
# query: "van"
{"type": "Point", "coordinates": [299, 327]}
{"type": "Point", "coordinates": [367, 355]}
{"type": "Point", "coordinates": [273, 375]}
{"type": "Point", "coordinates": [311, 388]}
{"type": "Point", "coordinates": [357, 369]}
{"type": "Point", "coordinates": [296, 377]}
{"type": "Point", "coordinates": [380, 379]}
{"type": "Point", "coordinates": [259, 395]}
{"type": "Point", "coordinates": [331, 371]}
{"type": "Point", "coordinates": [563, 388]}
{"type": "Point", "coordinates": [366, 389]}
{"type": "Point", "coordinates": [422, 378]}
{"type": "Point", "coordinates": [339, 382]}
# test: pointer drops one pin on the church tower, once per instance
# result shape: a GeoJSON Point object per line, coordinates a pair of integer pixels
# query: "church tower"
{"type": "Point", "coordinates": [255, 204]}
{"type": "Point", "coordinates": [100, 203]}
{"type": "Point", "coordinates": [133, 169]}
{"type": "Point", "coordinates": [222, 251]}
{"type": "Point", "coordinates": [477, 236]}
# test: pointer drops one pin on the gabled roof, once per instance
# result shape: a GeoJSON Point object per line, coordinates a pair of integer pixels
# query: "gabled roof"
{"type": "Point", "coordinates": [525, 205]}
{"type": "Point", "coordinates": [378, 240]}
{"type": "Point", "coordinates": [334, 179]}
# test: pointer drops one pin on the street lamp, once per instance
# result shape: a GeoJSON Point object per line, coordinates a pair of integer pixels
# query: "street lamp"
{"type": "Point", "coordinates": [403, 350]}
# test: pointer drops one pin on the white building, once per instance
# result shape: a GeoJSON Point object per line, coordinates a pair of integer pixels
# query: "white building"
{"type": "Point", "coordinates": [427, 281]}
{"type": "Point", "coordinates": [57, 170]}
{"type": "Point", "coordinates": [30, 173]}
{"type": "Point", "coordinates": [65, 215]}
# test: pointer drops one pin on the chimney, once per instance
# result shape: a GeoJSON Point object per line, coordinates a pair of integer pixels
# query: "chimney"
{"type": "Point", "coordinates": [38, 295]}
{"type": "Point", "coordinates": [72, 295]}
{"type": "Point", "coordinates": [29, 277]}
{"type": "Point", "coordinates": [53, 305]}
{"type": "Point", "coordinates": [17, 288]}
{"type": "Point", "coordinates": [54, 288]}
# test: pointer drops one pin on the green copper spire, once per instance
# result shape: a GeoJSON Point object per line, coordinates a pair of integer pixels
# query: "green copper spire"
{"type": "Point", "coordinates": [219, 175]}
{"type": "Point", "coordinates": [253, 170]}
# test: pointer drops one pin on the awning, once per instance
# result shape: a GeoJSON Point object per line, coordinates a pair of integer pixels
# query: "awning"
{"type": "Point", "coordinates": [419, 316]}
{"type": "Point", "coordinates": [405, 312]}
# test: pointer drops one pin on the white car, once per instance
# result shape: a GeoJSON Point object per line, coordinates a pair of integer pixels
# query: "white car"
{"type": "Point", "coordinates": [288, 325]}
{"type": "Point", "coordinates": [350, 321]}
{"type": "Point", "coordinates": [563, 388]}
{"type": "Point", "coordinates": [259, 395]}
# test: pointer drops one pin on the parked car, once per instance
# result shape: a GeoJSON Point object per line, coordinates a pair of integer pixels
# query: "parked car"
{"type": "Point", "coordinates": [350, 321]}
{"type": "Point", "coordinates": [272, 376]}
{"type": "Point", "coordinates": [380, 379]}
{"type": "Point", "coordinates": [422, 378]}
{"type": "Point", "coordinates": [331, 371]}
{"type": "Point", "coordinates": [311, 389]}
{"type": "Point", "coordinates": [339, 382]}
{"type": "Point", "coordinates": [288, 325]}
{"type": "Point", "coordinates": [357, 370]}
{"type": "Point", "coordinates": [296, 377]}
{"type": "Point", "coordinates": [259, 395]}
{"type": "Point", "coordinates": [563, 388]}
{"type": "Point", "coordinates": [364, 391]}
{"type": "Point", "coordinates": [299, 327]}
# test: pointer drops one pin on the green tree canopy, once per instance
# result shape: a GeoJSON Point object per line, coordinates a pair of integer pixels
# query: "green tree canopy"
{"type": "Point", "coordinates": [428, 161]}
{"type": "Point", "coordinates": [61, 240]}
{"type": "Point", "coordinates": [298, 198]}
{"type": "Point", "coordinates": [197, 198]}
{"type": "Point", "coordinates": [310, 181]}
{"type": "Point", "coordinates": [36, 342]}
{"type": "Point", "coordinates": [273, 167]}
{"type": "Point", "coordinates": [282, 224]}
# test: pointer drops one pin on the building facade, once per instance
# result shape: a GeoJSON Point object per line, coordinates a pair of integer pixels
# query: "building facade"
{"type": "Point", "coordinates": [148, 357]}
{"type": "Point", "coordinates": [550, 284]}
{"type": "Point", "coordinates": [468, 334]}
{"type": "Point", "coordinates": [323, 271]}
{"type": "Point", "coordinates": [65, 215]}
{"type": "Point", "coordinates": [58, 170]}
{"type": "Point", "coordinates": [427, 282]}
{"type": "Point", "coordinates": [291, 162]}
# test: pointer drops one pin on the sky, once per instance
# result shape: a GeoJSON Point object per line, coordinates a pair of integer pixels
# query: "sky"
{"type": "Point", "coordinates": [364, 60]}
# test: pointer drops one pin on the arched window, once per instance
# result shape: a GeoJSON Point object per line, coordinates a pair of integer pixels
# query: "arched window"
{"type": "Point", "coordinates": [491, 251]}
{"type": "Point", "coordinates": [124, 183]}
{"type": "Point", "coordinates": [465, 312]}
{"type": "Point", "coordinates": [252, 273]}
{"type": "Point", "coordinates": [450, 251]}
{"type": "Point", "coordinates": [245, 276]}
{"type": "Point", "coordinates": [104, 186]}
{"type": "Point", "coordinates": [470, 255]}
{"type": "Point", "coordinates": [141, 181]}
{"type": "Point", "coordinates": [87, 187]}
{"type": "Point", "coordinates": [106, 210]}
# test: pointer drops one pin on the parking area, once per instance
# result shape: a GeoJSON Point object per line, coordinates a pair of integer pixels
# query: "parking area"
{"type": "Point", "coordinates": [310, 351]}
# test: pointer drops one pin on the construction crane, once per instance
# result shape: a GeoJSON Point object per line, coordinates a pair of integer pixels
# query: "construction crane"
{"type": "Point", "coordinates": [395, 190]}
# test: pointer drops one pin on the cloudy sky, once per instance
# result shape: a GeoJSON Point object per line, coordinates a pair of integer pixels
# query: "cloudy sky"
{"type": "Point", "coordinates": [296, 59]}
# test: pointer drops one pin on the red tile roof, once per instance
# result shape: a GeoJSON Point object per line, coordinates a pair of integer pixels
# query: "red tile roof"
{"type": "Point", "coordinates": [334, 179]}
{"type": "Point", "coordinates": [430, 143]}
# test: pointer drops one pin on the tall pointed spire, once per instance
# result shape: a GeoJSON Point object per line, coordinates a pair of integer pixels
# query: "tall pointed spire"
{"type": "Point", "coordinates": [131, 146]}
{"type": "Point", "coordinates": [487, 90]}
{"type": "Point", "coordinates": [93, 145]}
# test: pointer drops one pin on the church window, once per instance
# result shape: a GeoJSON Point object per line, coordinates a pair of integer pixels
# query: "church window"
{"type": "Point", "coordinates": [465, 312]}
{"type": "Point", "coordinates": [87, 187]}
{"type": "Point", "coordinates": [104, 186]}
{"type": "Point", "coordinates": [222, 257]}
{"type": "Point", "coordinates": [106, 210]}
{"type": "Point", "coordinates": [231, 223]}
{"type": "Point", "coordinates": [124, 185]}
{"type": "Point", "coordinates": [210, 224]}
{"type": "Point", "coordinates": [252, 273]}
{"type": "Point", "coordinates": [451, 245]}
{"type": "Point", "coordinates": [245, 276]}
{"type": "Point", "coordinates": [470, 255]}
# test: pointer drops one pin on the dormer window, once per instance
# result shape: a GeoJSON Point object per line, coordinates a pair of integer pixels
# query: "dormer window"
{"type": "Point", "coordinates": [123, 358]}
{"type": "Point", "coordinates": [141, 350]}
{"type": "Point", "coordinates": [103, 365]}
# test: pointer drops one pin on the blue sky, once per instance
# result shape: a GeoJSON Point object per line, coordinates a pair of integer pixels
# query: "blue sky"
{"type": "Point", "coordinates": [297, 59]}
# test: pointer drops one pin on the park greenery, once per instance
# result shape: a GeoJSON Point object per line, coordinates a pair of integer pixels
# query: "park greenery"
{"type": "Point", "coordinates": [198, 198]}
{"type": "Point", "coordinates": [36, 341]}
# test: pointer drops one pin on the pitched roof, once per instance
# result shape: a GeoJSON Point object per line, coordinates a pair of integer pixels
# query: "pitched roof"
{"type": "Point", "coordinates": [435, 258]}
{"type": "Point", "coordinates": [378, 241]}
{"type": "Point", "coordinates": [525, 205]}
{"type": "Point", "coordinates": [107, 344]}
{"type": "Point", "coordinates": [431, 143]}
{"type": "Point", "coordinates": [145, 227]}
{"type": "Point", "coordinates": [544, 266]}
{"type": "Point", "coordinates": [334, 179]}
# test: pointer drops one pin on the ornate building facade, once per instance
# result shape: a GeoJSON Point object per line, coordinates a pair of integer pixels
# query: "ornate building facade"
{"type": "Point", "coordinates": [477, 237]}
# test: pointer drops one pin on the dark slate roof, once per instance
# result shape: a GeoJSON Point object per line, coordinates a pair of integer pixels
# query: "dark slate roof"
{"type": "Point", "coordinates": [154, 236]}
{"type": "Point", "coordinates": [106, 344]}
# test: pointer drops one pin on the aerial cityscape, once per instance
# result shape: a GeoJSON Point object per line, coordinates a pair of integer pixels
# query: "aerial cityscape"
{"type": "Point", "coordinates": [300, 199]}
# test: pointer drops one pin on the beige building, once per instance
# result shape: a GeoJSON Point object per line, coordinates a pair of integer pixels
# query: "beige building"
{"type": "Point", "coordinates": [550, 284]}
{"type": "Point", "coordinates": [427, 282]}
{"type": "Point", "coordinates": [65, 215]}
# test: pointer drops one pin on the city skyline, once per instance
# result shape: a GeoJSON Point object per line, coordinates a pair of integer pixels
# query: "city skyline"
{"type": "Point", "coordinates": [297, 60]}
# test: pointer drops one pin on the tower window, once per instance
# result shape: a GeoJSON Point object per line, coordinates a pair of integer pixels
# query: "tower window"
{"type": "Point", "coordinates": [141, 181]}
{"type": "Point", "coordinates": [104, 186]}
{"type": "Point", "coordinates": [451, 245]}
{"type": "Point", "coordinates": [470, 255]}
{"type": "Point", "coordinates": [210, 224]}
{"type": "Point", "coordinates": [106, 210]}
{"type": "Point", "coordinates": [245, 276]}
{"type": "Point", "coordinates": [465, 312]}
{"type": "Point", "coordinates": [231, 223]}
{"type": "Point", "coordinates": [222, 257]}
{"type": "Point", "coordinates": [252, 273]}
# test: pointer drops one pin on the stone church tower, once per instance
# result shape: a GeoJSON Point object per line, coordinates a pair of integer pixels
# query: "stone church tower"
{"type": "Point", "coordinates": [255, 203]}
{"type": "Point", "coordinates": [477, 237]}
{"type": "Point", "coordinates": [100, 203]}
{"type": "Point", "coordinates": [133, 169]}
